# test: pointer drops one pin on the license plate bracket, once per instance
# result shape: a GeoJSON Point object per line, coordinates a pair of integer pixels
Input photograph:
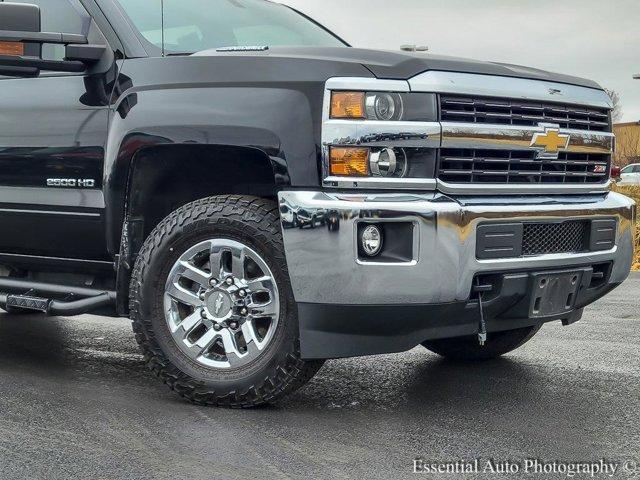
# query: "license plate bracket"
{"type": "Point", "coordinates": [554, 293]}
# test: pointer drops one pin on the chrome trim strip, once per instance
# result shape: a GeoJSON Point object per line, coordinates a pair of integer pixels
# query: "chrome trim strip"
{"type": "Point", "coordinates": [62, 197]}
{"type": "Point", "coordinates": [508, 87]}
{"type": "Point", "coordinates": [379, 182]}
{"type": "Point", "coordinates": [516, 137]}
{"type": "Point", "coordinates": [520, 188]}
{"type": "Point", "coordinates": [323, 263]}
{"type": "Point", "coordinates": [48, 212]}
{"type": "Point", "coordinates": [367, 84]}
{"type": "Point", "coordinates": [371, 133]}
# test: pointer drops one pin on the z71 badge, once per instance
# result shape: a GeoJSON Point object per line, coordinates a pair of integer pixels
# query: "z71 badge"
{"type": "Point", "coordinates": [71, 182]}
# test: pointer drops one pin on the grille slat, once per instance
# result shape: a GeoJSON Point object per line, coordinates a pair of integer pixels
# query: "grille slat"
{"type": "Point", "coordinates": [459, 165]}
{"type": "Point", "coordinates": [565, 237]}
{"type": "Point", "coordinates": [522, 112]}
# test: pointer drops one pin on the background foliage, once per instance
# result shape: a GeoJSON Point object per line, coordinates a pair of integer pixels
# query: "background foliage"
{"type": "Point", "coordinates": [633, 192]}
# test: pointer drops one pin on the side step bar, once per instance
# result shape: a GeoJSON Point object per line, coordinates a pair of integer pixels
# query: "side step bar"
{"type": "Point", "coordinates": [54, 299]}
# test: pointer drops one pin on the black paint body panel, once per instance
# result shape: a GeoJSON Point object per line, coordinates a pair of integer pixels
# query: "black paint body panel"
{"type": "Point", "coordinates": [274, 105]}
{"type": "Point", "coordinates": [95, 126]}
{"type": "Point", "coordinates": [399, 65]}
{"type": "Point", "coordinates": [49, 131]}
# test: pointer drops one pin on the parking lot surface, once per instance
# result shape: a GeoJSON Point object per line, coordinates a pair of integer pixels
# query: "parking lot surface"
{"type": "Point", "coordinates": [77, 401]}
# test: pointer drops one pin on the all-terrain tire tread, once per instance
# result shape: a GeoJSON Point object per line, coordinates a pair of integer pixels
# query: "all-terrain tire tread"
{"type": "Point", "coordinates": [264, 216]}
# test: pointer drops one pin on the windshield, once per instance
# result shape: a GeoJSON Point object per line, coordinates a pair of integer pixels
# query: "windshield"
{"type": "Point", "coordinates": [189, 26]}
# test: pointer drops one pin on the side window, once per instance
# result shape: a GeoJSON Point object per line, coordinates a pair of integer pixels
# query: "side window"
{"type": "Point", "coordinates": [65, 16]}
{"type": "Point", "coordinates": [636, 169]}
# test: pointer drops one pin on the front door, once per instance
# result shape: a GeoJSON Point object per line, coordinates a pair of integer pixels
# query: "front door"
{"type": "Point", "coordinates": [53, 130]}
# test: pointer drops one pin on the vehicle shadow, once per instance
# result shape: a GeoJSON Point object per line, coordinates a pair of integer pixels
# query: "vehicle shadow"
{"type": "Point", "coordinates": [51, 345]}
{"type": "Point", "coordinates": [414, 383]}
{"type": "Point", "coordinates": [423, 380]}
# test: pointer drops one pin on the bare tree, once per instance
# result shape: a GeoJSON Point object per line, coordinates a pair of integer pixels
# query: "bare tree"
{"type": "Point", "coordinates": [616, 113]}
{"type": "Point", "coordinates": [627, 146]}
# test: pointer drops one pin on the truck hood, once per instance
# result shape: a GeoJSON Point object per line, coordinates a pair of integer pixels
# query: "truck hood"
{"type": "Point", "coordinates": [400, 65]}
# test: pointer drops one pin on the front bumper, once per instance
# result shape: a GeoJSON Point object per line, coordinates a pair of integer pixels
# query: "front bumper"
{"type": "Point", "coordinates": [348, 306]}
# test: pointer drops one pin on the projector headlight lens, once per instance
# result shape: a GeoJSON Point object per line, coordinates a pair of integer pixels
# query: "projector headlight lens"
{"type": "Point", "coordinates": [388, 162]}
{"type": "Point", "coordinates": [383, 106]}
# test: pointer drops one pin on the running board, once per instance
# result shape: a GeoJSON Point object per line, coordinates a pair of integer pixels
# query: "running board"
{"type": "Point", "coordinates": [44, 297]}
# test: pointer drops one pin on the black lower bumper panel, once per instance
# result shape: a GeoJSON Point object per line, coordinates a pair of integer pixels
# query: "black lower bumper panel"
{"type": "Point", "coordinates": [515, 300]}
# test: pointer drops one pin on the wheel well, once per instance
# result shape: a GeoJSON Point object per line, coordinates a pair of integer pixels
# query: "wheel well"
{"type": "Point", "coordinates": [166, 177]}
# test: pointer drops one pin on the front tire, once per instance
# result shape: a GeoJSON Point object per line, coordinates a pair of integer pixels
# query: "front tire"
{"type": "Point", "coordinates": [468, 348]}
{"type": "Point", "coordinates": [212, 307]}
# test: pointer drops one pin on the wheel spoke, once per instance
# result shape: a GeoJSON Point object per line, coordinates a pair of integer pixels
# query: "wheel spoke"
{"type": "Point", "coordinates": [250, 335]}
{"type": "Point", "coordinates": [216, 259]}
{"type": "Point", "coordinates": [237, 263]}
{"type": "Point", "coordinates": [190, 322]}
{"type": "Point", "coordinates": [181, 294]}
{"type": "Point", "coordinates": [194, 274]}
{"type": "Point", "coordinates": [266, 309]}
{"type": "Point", "coordinates": [230, 347]}
{"type": "Point", "coordinates": [260, 284]}
{"type": "Point", "coordinates": [206, 339]}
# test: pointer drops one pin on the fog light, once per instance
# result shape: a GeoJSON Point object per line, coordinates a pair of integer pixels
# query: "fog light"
{"type": "Point", "coordinates": [371, 240]}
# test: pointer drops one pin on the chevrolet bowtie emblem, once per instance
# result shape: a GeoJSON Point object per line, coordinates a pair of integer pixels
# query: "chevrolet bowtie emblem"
{"type": "Point", "coordinates": [550, 142]}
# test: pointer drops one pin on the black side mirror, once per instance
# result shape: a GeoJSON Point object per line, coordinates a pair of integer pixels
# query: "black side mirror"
{"type": "Point", "coordinates": [19, 17]}
{"type": "Point", "coordinates": [21, 44]}
{"type": "Point", "coordinates": [87, 54]}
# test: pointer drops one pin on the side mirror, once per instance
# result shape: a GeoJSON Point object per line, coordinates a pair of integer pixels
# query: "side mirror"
{"type": "Point", "coordinates": [21, 44]}
{"type": "Point", "coordinates": [19, 17]}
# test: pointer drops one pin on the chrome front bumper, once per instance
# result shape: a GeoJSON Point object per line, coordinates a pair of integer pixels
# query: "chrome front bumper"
{"type": "Point", "coordinates": [323, 263]}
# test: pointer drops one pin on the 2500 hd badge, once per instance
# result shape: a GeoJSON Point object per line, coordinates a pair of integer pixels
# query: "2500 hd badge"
{"type": "Point", "coordinates": [71, 182]}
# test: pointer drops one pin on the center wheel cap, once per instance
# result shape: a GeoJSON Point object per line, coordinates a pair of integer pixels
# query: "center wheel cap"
{"type": "Point", "coordinates": [219, 305]}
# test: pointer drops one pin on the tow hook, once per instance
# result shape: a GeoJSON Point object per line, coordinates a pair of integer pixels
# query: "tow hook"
{"type": "Point", "coordinates": [482, 325]}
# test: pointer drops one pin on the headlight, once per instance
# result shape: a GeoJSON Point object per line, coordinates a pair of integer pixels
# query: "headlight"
{"type": "Point", "coordinates": [378, 134]}
{"type": "Point", "coordinates": [381, 162]}
{"type": "Point", "coordinates": [383, 106]}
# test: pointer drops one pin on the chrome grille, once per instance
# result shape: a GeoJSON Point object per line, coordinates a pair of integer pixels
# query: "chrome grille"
{"type": "Point", "coordinates": [519, 112]}
{"type": "Point", "coordinates": [565, 237]}
{"type": "Point", "coordinates": [460, 165]}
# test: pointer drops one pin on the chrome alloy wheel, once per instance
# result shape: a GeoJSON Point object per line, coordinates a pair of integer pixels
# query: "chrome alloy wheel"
{"type": "Point", "coordinates": [221, 303]}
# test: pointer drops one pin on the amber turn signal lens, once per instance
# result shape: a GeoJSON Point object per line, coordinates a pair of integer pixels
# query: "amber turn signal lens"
{"type": "Point", "coordinates": [14, 49]}
{"type": "Point", "coordinates": [347, 105]}
{"type": "Point", "coordinates": [349, 161]}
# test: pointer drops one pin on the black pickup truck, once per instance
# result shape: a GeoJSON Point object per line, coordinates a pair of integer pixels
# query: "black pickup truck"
{"type": "Point", "coordinates": [161, 160]}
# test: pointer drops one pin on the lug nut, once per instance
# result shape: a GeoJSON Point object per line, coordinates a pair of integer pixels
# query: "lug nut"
{"type": "Point", "coordinates": [233, 325]}
{"type": "Point", "coordinates": [230, 281]}
{"type": "Point", "coordinates": [203, 314]}
{"type": "Point", "coordinates": [242, 293]}
{"type": "Point", "coordinates": [202, 296]}
{"type": "Point", "coordinates": [213, 282]}
{"type": "Point", "coordinates": [244, 311]}
{"type": "Point", "coordinates": [217, 327]}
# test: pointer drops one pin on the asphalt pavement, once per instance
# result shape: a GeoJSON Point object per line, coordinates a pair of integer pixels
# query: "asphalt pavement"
{"type": "Point", "coordinates": [76, 401]}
